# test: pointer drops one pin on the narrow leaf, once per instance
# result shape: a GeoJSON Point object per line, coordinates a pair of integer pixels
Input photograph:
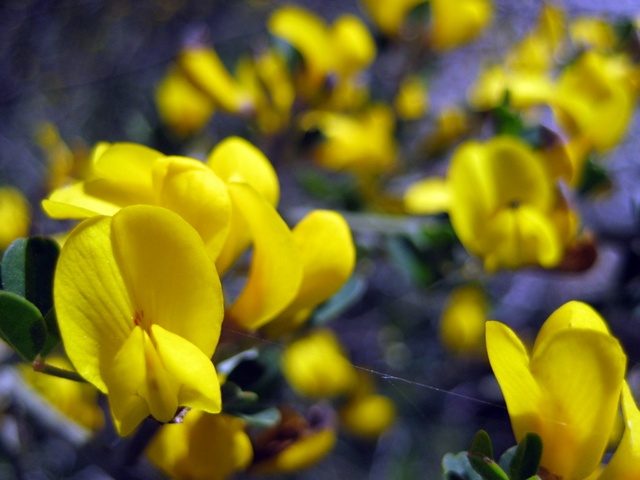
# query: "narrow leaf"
{"type": "Point", "coordinates": [486, 467]}
{"type": "Point", "coordinates": [526, 460]}
{"type": "Point", "coordinates": [481, 445]}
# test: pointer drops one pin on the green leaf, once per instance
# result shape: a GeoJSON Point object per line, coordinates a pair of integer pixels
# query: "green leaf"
{"type": "Point", "coordinates": [345, 298]}
{"type": "Point", "coordinates": [53, 333]}
{"type": "Point", "coordinates": [526, 459]}
{"type": "Point", "coordinates": [21, 325]}
{"type": "Point", "coordinates": [28, 267]}
{"type": "Point", "coordinates": [486, 467]}
{"type": "Point", "coordinates": [481, 445]}
{"type": "Point", "coordinates": [457, 467]}
{"type": "Point", "coordinates": [594, 178]}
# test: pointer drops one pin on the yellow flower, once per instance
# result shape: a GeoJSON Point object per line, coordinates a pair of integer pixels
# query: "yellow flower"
{"type": "Point", "coordinates": [361, 143]}
{"type": "Point", "coordinates": [77, 401]}
{"type": "Point", "coordinates": [625, 463]}
{"type": "Point", "coordinates": [229, 200]}
{"type": "Point", "coordinates": [595, 97]}
{"type": "Point", "coordinates": [566, 390]}
{"type": "Point", "coordinates": [389, 17]}
{"type": "Point", "coordinates": [366, 414]}
{"type": "Point", "coordinates": [140, 308]}
{"type": "Point", "coordinates": [412, 100]}
{"type": "Point", "coordinates": [456, 23]}
{"type": "Point", "coordinates": [315, 366]}
{"type": "Point", "coordinates": [593, 33]}
{"type": "Point", "coordinates": [15, 216]}
{"type": "Point", "coordinates": [463, 319]}
{"type": "Point", "coordinates": [296, 443]}
{"type": "Point", "coordinates": [503, 204]}
{"type": "Point", "coordinates": [202, 447]}
{"type": "Point", "coordinates": [332, 56]}
{"type": "Point", "coordinates": [184, 108]}
{"type": "Point", "coordinates": [327, 255]}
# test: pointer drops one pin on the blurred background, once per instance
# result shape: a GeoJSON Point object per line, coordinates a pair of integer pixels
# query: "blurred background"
{"type": "Point", "coordinates": [90, 69]}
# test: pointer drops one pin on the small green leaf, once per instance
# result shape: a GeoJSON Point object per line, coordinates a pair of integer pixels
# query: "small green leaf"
{"type": "Point", "coordinates": [21, 325]}
{"type": "Point", "coordinates": [594, 178]}
{"type": "Point", "coordinates": [53, 333]}
{"type": "Point", "coordinates": [28, 266]}
{"type": "Point", "coordinates": [481, 445]}
{"type": "Point", "coordinates": [526, 459]}
{"type": "Point", "coordinates": [486, 467]}
{"type": "Point", "coordinates": [347, 296]}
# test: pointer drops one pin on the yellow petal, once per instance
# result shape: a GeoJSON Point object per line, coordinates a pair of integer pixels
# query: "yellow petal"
{"type": "Point", "coordinates": [428, 196]}
{"type": "Point", "coordinates": [236, 160]}
{"type": "Point", "coordinates": [14, 216]}
{"type": "Point", "coordinates": [510, 364]}
{"type": "Point", "coordinates": [573, 314]}
{"type": "Point", "coordinates": [463, 320]}
{"type": "Point", "coordinates": [580, 374]}
{"type": "Point", "coordinates": [352, 44]}
{"type": "Point", "coordinates": [168, 273]}
{"type": "Point", "coordinates": [206, 71]}
{"type": "Point", "coordinates": [194, 371]}
{"type": "Point", "coordinates": [189, 188]}
{"type": "Point", "coordinates": [454, 24]}
{"type": "Point", "coordinates": [185, 450]}
{"type": "Point", "coordinates": [276, 270]}
{"type": "Point", "coordinates": [625, 463]}
{"type": "Point", "coordinates": [327, 254]}
{"type": "Point", "coordinates": [368, 416]}
{"type": "Point", "coordinates": [389, 16]}
{"type": "Point", "coordinates": [92, 303]}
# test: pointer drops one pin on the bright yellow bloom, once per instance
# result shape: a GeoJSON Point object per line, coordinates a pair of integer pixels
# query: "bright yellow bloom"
{"type": "Point", "coordinates": [456, 23]}
{"type": "Point", "coordinates": [566, 390]}
{"type": "Point", "coordinates": [463, 319]}
{"type": "Point", "coordinates": [202, 447]}
{"type": "Point", "coordinates": [15, 216]}
{"type": "Point", "coordinates": [595, 97]}
{"type": "Point", "coordinates": [315, 366]}
{"type": "Point", "coordinates": [451, 124]}
{"type": "Point", "coordinates": [503, 204]}
{"type": "Point", "coordinates": [361, 143]}
{"type": "Point", "coordinates": [327, 255]}
{"type": "Point", "coordinates": [184, 108]}
{"type": "Point", "coordinates": [76, 400]}
{"type": "Point", "coordinates": [412, 100]}
{"type": "Point", "coordinates": [140, 308]}
{"type": "Point", "coordinates": [625, 463]}
{"type": "Point", "coordinates": [332, 55]}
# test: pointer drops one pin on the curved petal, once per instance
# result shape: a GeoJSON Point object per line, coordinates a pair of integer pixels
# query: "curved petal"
{"type": "Point", "coordinates": [168, 274]}
{"type": "Point", "coordinates": [328, 257]}
{"type": "Point", "coordinates": [580, 373]}
{"type": "Point", "coordinates": [74, 202]}
{"type": "Point", "coordinates": [129, 166]}
{"type": "Point", "coordinates": [276, 268]}
{"type": "Point", "coordinates": [187, 187]}
{"type": "Point", "coordinates": [510, 364]}
{"type": "Point", "coordinates": [625, 463]}
{"type": "Point", "coordinates": [573, 314]}
{"type": "Point", "coordinates": [236, 160]}
{"type": "Point", "coordinates": [199, 387]}
{"type": "Point", "coordinates": [92, 303]}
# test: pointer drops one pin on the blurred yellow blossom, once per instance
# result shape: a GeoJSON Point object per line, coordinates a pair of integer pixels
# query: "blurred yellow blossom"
{"type": "Point", "coordinates": [139, 306]}
{"type": "Point", "coordinates": [412, 100]}
{"type": "Point", "coordinates": [15, 216]}
{"type": "Point", "coordinates": [503, 204]}
{"type": "Point", "coordinates": [389, 17]}
{"type": "Point", "coordinates": [566, 390]}
{"type": "Point", "coordinates": [296, 442]}
{"type": "Point", "coordinates": [361, 143]}
{"type": "Point", "coordinates": [76, 400]}
{"type": "Point", "coordinates": [316, 366]}
{"type": "Point", "coordinates": [592, 33]}
{"type": "Point", "coordinates": [456, 23]}
{"type": "Point", "coordinates": [202, 447]}
{"type": "Point", "coordinates": [463, 319]}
